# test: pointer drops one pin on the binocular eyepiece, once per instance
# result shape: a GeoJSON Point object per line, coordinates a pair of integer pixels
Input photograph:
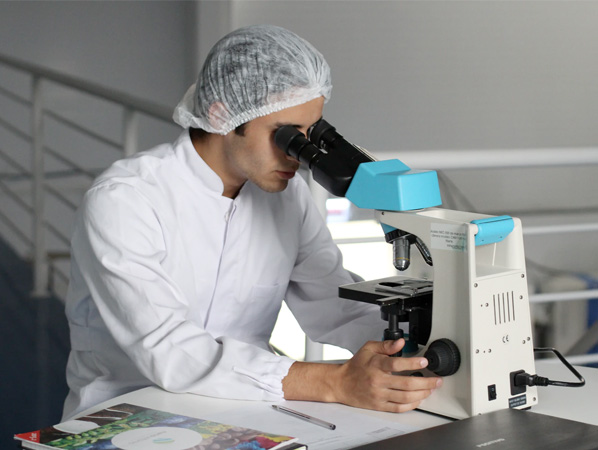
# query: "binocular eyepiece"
{"type": "Point", "coordinates": [331, 158]}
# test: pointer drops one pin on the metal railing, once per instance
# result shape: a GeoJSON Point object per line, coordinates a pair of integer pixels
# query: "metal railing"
{"type": "Point", "coordinates": [38, 176]}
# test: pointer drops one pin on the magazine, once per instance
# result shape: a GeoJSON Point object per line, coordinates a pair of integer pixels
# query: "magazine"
{"type": "Point", "coordinates": [131, 427]}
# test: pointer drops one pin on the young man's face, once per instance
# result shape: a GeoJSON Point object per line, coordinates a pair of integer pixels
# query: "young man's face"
{"type": "Point", "coordinates": [255, 157]}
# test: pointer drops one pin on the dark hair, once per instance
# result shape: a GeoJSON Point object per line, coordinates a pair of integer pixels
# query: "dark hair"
{"type": "Point", "coordinates": [200, 134]}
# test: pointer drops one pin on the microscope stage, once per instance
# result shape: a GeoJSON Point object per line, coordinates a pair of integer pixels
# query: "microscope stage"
{"type": "Point", "coordinates": [386, 291]}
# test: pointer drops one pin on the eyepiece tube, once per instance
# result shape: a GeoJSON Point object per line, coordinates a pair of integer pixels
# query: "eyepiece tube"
{"type": "Point", "coordinates": [290, 140]}
{"type": "Point", "coordinates": [325, 136]}
{"type": "Point", "coordinates": [332, 160]}
{"type": "Point", "coordinates": [318, 130]}
{"type": "Point", "coordinates": [333, 173]}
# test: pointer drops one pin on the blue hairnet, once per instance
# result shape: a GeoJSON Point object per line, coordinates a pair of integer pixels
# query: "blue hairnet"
{"type": "Point", "coordinates": [252, 72]}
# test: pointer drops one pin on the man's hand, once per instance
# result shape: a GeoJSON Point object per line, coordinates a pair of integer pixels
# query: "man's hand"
{"type": "Point", "coordinates": [364, 381]}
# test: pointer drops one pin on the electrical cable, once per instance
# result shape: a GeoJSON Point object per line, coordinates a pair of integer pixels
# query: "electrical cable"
{"type": "Point", "coordinates": [525, 379]}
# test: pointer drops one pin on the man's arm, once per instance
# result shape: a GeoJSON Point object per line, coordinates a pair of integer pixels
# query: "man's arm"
{"type": "Point", "coordinates": [143, 313]}
{"type": "Point", "coordinates": [364, 381]}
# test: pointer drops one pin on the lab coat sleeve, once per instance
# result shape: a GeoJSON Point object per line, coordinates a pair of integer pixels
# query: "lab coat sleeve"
{"type": "Point", "coordinates": [118, 247]}
{"type": "Point", "coordinates": [312, 294]}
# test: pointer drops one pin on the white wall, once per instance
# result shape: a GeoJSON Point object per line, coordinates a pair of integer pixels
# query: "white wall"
{"type": "Point", "coordinates": [139, 47]}
{"type": "Point", "coordinates": [458, 74]}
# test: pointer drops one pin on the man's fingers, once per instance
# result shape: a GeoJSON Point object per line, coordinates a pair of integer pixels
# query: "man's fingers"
{"type": "Point", "coordinates": [399, 407]}
{"type": "Point", "coordinates": [407, 397]}
{"type": "Point", "coordinates": [393, 347]}
{"type": "Point", "coordinates": [401, 401]}
{"type": "Point", "coordinates": [372, 380]}
{"type": "Point", "coordinates": [385, 347]}
{"type": "Point", "coordinates": [410, 383]}
{"type": "Point", "coordinates": [400, 364]}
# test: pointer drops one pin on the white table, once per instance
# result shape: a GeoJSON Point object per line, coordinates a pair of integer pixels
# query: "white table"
{"type": "Point", "coordinates": [580, 404]}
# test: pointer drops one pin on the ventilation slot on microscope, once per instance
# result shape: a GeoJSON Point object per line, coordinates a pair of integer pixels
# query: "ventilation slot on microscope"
{"type": "Point", "coordinates": [504, 307]}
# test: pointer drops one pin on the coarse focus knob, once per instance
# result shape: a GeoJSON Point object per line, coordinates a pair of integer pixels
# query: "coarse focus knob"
{"type": "Point", "coordinates": [443, 357]}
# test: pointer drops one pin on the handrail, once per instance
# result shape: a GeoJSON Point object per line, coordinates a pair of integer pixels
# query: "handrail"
{"type": "Point", "coordinates": [14, 130]}
{"type": "Point", "coordinates": [564, 296]}
{"type": "Point", "coordinates": [36, 174]}
{"type": "Point", "coordinates": [4, 218]}
{"type": "Point", "coordinates": [558, 229]}
{"type": "Point", "coordinates": [13, 163]}
{"type": "Point", "coordinates": [500, 158]}
{"type": "Point", "coordinates": [81, 129]}
{"type": "Point", "coordinates": [14, 97]}
{"type": "Point", "coordinates": [147, 107]}
{"type": "Point", "coordinates": [71, 164]}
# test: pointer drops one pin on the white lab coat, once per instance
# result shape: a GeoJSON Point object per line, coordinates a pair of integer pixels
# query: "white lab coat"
{"type": "Point", "coordinates": [175, 285]}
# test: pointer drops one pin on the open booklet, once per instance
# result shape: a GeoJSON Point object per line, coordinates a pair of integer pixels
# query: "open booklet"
{"type": "Point", "coordinates": [131, 427]}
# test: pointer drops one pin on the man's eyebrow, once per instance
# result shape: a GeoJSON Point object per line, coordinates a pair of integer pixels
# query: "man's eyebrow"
{"type": "Point", "coordinates": [282, 124]}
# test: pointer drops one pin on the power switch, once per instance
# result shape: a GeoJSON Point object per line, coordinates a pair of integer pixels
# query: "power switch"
{"type": "Point", "coordinates": [492, 392]}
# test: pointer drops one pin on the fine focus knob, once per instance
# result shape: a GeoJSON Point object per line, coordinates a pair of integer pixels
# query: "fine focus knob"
{"type": "Point", "coordinates": [443, 357]}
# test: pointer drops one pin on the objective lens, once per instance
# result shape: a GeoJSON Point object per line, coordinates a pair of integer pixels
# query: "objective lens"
{"type": "Point", "coordinates": [401, 249]}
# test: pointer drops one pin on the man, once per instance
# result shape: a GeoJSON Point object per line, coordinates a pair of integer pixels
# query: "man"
{"type": "Point", "coordinates": [182, 255]}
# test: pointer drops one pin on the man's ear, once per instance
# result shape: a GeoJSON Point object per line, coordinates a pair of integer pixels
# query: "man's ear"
{"type": "Point", "coordinates": [218, 115]}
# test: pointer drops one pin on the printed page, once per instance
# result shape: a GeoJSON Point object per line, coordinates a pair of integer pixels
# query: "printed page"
{"type": "Point", "coordinates": [352, 427]}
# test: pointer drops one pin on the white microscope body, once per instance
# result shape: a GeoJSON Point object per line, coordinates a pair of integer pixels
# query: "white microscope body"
{"type": "Point", "coordinates": [481, 303]}
{"type": "Point", "coordinates": [476, 300]}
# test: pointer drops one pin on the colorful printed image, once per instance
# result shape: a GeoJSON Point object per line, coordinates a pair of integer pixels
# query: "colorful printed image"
{"type": "Point", "coordinates": [126, 418]}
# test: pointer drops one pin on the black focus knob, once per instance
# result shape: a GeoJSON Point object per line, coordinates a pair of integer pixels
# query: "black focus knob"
{"type": "Point", "coordinates": [443, 357]}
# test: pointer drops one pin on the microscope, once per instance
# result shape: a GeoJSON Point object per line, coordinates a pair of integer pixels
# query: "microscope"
{"type": "Point", "coordinates": [462, 299]}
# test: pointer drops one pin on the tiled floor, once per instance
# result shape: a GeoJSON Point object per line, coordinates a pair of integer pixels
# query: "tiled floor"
{"type": "Point", "coordinates": [34, 347]}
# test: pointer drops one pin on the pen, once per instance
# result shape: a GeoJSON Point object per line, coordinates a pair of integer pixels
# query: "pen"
{"type": "Point", "coordinates": [300, 415]}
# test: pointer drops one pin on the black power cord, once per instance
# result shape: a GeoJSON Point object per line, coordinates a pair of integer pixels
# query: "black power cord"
{"type": "Point", "coordinates": [525, 379]}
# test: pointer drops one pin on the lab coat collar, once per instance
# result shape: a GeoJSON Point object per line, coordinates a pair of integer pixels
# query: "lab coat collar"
{"type": "Point", "coordinates": [199, 169]}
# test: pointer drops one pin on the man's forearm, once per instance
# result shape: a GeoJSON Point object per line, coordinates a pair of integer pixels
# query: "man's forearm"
{"type": "Point", "coordinates": [367, 380]}
{"type": "Point", "coordinates": [311, 382]}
